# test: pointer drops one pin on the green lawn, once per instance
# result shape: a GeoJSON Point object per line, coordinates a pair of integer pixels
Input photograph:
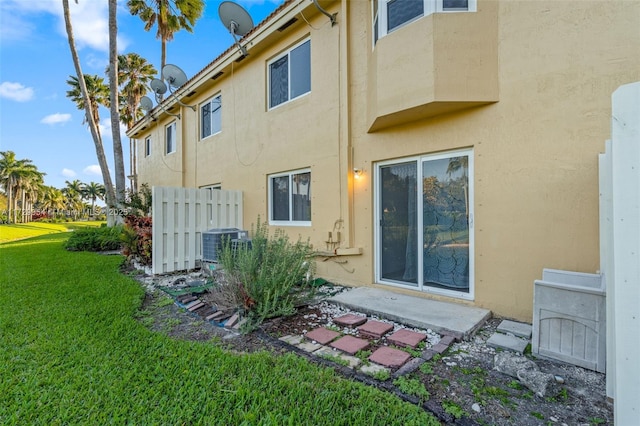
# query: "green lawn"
{"type": "Point", "coordinates": [72, 353]}
{"type": "Point", "coordinates": [10, 232]}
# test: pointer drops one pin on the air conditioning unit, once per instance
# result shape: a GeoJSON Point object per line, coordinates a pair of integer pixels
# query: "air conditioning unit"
{"type": "Point", "coordinates": [213, 240]}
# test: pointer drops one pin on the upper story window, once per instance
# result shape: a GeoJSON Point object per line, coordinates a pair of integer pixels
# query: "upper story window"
{"type": "Point", "coordinates": [290, 198]}
{"type": "Point", "coordinates": [290, 74]}
{"type": "Point", "coordinates": [147, 146]}
{"type": "Point", "coordinates": [210, 117]}
{"type": "Point", "coordinates": [170, 138]}
{"type": "Point", "coordinates": [391, 14]}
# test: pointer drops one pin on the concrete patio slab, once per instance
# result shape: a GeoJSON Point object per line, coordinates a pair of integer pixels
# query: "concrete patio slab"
{"type": "Point", "coordinates": [456, 319]}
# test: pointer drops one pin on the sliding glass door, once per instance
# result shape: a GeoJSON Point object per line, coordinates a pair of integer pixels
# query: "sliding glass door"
{"type": "Point", "coordinates": [425, 233]}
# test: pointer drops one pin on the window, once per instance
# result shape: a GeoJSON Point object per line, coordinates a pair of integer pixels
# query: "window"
{"type": "Point", "coordinates": [389, 15]}
{"type": "Point", "coordinates": [147, 146]}
{"type": "Point", "coordinates": [171, 138]}
{"type": "Point", "coordinates": [424, 236]}
{"type": "Point", "coordinates": [290, 198]}
{"type": "Point", "coordinates": [290, 74]}
{"type": "Point", "coordinates": [210, 117]}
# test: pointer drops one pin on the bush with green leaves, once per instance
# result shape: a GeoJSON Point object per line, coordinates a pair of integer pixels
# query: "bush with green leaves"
{"type": "Point", "coordinates": [136, 237]}
{"type": "Point", "coordinates": [272, 275]}
{"type": "Point", "coordinates": [102, 238]}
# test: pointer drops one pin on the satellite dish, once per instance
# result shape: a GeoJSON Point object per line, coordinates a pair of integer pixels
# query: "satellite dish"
{"type": "Point", "coordinates": [146, 103]}
{"type": "Point", "coordinates": [236, 20]}
{"type": "Point", "coordinates": [158, 86]}
{"type": "Point", "coordinates": [174, 76]}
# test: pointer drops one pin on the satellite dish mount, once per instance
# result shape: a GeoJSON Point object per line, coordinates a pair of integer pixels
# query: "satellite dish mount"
{"type": "Point", "coordinates": [237, 21]}
{"type": "Point", "coordinates": [175, 78]}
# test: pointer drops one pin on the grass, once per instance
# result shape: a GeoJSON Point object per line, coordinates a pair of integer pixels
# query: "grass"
{"type": "Point", "coordinates": [14, 232]}
{"type": "Point", "coordinates": [71, 352]}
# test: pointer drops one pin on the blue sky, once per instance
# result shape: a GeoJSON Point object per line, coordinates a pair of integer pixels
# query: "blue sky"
{"type": "Point", "coordinates": [37, 120]}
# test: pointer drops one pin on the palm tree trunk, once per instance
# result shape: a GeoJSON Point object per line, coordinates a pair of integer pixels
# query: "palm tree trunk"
{"type": "Point", "coordinates": [118, 156]}
{"type": "Point", "coordinates": [97, 140]}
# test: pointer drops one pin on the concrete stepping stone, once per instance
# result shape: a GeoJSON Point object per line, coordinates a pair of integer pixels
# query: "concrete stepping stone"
{"type": "Point", "coordinates": [373, 368]}
{"type": "Point", "coordinates": [350, 344]}
{"type": "Point", "coordinates": [518, 329]}
{"type": "Point", "coordinates": [350, 320]}
{"type": "Point", "coordinates": [189, 305]}
{"type": "Point", "coordinates": [505, 341]}
{"type": "Point", "coordinates": [322, 335]}
{"type": "Point", "coordinates": [329, 353]}
{"type": "Point", "coordinates": [309, 346]}
{"type": "Point", "coordinates": [375, 329]}
{"type": "Point", "coordinates": [292, 340]}
{"type": "Point", "coordinates": [389, 357]}
{"type": "Point", "coordinates": [233, 320]}
{"type": "Point", "coordinates": [406, 338]}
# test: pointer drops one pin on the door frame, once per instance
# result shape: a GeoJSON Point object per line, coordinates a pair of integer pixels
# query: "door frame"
{"type": "Point", "coordinates": [419, 159]}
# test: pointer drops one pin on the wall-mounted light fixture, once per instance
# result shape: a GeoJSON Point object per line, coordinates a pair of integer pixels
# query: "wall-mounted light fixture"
{"type": "Point", "coordinates": [357, 172]}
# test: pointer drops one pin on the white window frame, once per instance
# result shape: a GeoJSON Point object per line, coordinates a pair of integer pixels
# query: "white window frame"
{"type": "Point", "coordinates": [170, 130]}
{"type": "Point", "coordinates": [470, 295]}
{"type": "Point", "coordinates": [430, 6]}
{"type": "Point", "coordinates": [147, 146]}
{"type": "Point", "coordinates": [214, 102]}
{"type": "Point", "coordinates": [276, 58]}
{"type": "Point", "coordinates": [291, 221]}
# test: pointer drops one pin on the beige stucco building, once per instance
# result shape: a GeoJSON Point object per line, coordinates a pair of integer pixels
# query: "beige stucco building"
{"type": "Point", "coordinates": [444, 148]}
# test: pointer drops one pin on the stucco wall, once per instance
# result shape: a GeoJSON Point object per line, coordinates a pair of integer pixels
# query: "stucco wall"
{"type": "Point", "coordinates": [536, 139]}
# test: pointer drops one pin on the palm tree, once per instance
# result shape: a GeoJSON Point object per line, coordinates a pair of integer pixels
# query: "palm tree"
{"type": "Point", "coordinates": [31, 188]}
{"type": "Point", "coordinates": [134, 76]}
{"type": "Point", "coordinates": [52, 199]}
{"type": "Point", "coordinates": [13, 175]}
{"type": "Point", "coordinates": [118, 157]}
{"type": "Point", "coordinates": [94, 191]}
{"type": "Point", "coordinates": [170, 16]}
{"type": "Point", "coordinates": [89, 113]}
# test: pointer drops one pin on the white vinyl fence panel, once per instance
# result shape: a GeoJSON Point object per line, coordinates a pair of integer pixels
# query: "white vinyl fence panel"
{"type": "Point", "coordinates": [180, 215]}
{"type": "Point", "coordinates": [620, 252]}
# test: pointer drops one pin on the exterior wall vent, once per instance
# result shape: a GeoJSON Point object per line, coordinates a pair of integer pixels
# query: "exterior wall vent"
{"type": "Point", "coordinates": [217, 75]}
{"type": "Point", "coordinates": [288, 24]}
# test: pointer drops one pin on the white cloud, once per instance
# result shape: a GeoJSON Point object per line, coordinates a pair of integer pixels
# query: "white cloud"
{"type": "Point", "coordinates": [68, 173]}
{"type": "Point", "coordinates": [89, 19]}
{"type": "Point", "coordinates": [56, 118]}
{"type": "Point", "coordinates": [15, 91]}
{"type": "Point", "coordinates": [93, 170]}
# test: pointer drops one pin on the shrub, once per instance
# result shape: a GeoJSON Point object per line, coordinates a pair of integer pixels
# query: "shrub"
{"type": "Point", "coordinates": [271, 277]}
{"type": "Point", "coordinates": [136, 237]}
{"type": "Point", "coordinates": [95, 239]}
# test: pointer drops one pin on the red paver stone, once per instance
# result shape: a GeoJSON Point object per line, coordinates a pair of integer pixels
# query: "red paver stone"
{"type": "Point", "coordinates": [406, 338]}
{"type": "Point", "coordinates": [322, 335]}
{"type": "Point", "coordinates": [350, 320]}
{"type": "Point", "coordinates": [350, 344]}
{"type": "Point", "coordinates": [375, 329]}
{"type": "Point", "coordinates": [389, 357]}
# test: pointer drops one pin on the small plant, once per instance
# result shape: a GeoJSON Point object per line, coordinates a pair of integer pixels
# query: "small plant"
{"type": "Point", "coordinates": [363, 356]}
{"type": "Point", "coordinates": [95, 239]}
{"type": "Point", "coordinates": [537, 415]}
{"type": "Point", "coordinates": [452, 408]}
{"type": "Point", "coordinates": [333, 327]}
{"type": "Point", "coordinates": [272, 276]}
{"type": "Point", "coordinates": [426, 368]}
{"type": "Point", "coordinates": [416, 353]}
{"type": "Point", "coordinates": [165, 301]}
{"type": "Point", "coordinates": [514, 384]}
{"type": "Point", "coordinates": [412, 387]}
{"type": "Point", "coordinates": [136, 238]}
{"type": "Point", "coordinates": [596, 421]}
{"type": "Point", "coordinates": [336, 359]}
{"type": "Point", "coordinates": [382, 375]}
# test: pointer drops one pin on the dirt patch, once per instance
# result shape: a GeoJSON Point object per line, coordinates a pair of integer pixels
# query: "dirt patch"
{"type": "Point", "coordinates": [462, 385]}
